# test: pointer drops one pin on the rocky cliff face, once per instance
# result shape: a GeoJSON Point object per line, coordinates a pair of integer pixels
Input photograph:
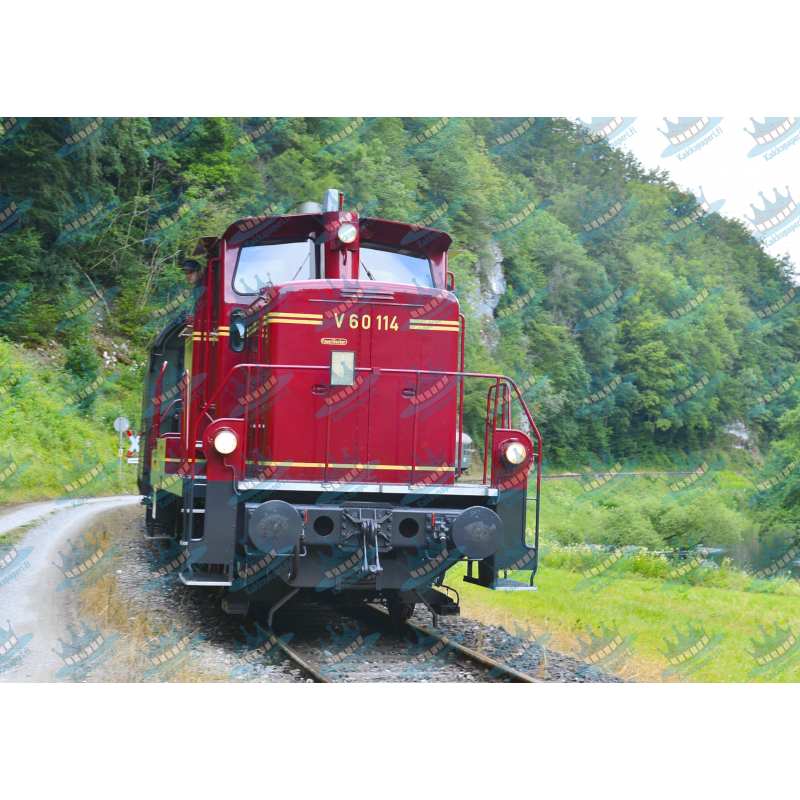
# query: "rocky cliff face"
{"type": "Point", "coordinates": [492, 284]}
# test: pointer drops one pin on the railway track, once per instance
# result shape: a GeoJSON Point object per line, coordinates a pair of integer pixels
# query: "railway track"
{"type": "Point", "coordinates": [365, 645]}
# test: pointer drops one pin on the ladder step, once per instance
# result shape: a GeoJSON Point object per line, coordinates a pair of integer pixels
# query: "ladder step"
{"type": "Point", "coordinates": [509, 585]}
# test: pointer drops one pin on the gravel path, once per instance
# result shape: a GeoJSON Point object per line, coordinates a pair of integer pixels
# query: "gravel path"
{"type": "Point", "coordinates": [124, 605]}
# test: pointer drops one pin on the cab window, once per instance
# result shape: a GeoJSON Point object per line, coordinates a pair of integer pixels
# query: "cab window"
{"type": "Point", "coordinates": [273, 262]}
{"type": "Point", "coordinates": [394, 266]}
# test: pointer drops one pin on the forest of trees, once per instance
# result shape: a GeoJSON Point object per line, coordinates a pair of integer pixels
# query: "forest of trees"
{"type": "Point", "coordinates": [635, 335]}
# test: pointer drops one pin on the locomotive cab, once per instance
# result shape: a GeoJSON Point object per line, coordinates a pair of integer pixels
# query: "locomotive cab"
{"type": "Point", "coordinates": [302, 438]}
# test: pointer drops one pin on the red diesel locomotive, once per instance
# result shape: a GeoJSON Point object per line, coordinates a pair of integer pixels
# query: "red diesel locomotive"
{"type": "Point", "coordinates": [303, 424]}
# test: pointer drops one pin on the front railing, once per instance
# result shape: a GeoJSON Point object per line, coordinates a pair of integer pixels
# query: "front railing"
{"type": "Point", "coordinates": [499, 391]}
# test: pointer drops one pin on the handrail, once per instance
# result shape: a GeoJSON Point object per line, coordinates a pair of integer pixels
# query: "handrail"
{"type": "Point", "coordinates": [461, 365]}
{"type": "Point", "coordinates": [391, 370]}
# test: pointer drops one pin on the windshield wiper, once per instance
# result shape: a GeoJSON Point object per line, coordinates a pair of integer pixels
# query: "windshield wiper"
{"type": "Point", "coordinates": [366, 270]}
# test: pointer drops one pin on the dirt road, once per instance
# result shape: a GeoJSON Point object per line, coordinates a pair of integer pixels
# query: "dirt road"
{"type": "Point", "coordinates": [30, 598]}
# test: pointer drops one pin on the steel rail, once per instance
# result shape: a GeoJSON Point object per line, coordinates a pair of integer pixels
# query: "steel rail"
{"type": "Point", "coordinates": [304, 665]}
{"type": "Point", "coordinates": [465, 652]}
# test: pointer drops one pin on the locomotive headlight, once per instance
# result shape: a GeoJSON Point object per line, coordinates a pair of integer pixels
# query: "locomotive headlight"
{"type": "Point", "coordinates": [347, 233]}
{"type": "Point", "coordinates": [515, 453]}
{"type": "Point", "coordinates": [225, 442]}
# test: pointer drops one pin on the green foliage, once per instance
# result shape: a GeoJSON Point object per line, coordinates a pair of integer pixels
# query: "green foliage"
{"type": "Point", "coordinates": [482, 186]}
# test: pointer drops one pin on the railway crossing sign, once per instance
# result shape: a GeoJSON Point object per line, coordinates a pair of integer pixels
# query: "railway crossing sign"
{"type": "Point", "coordinates": [134, 438]}
{"type": "Point", "coordinates": [123, 425]}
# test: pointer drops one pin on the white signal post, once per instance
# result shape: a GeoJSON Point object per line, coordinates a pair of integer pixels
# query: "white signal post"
{"type": "Point", "coordinates": [122, 424]}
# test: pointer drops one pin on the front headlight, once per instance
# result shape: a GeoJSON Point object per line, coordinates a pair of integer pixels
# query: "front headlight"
{"type": "Point", "coordinates": [347, 233]}
{"type": "Point", "coordinates": [515, 453]}
{"type": "Point", "coordinates": [225, 442]}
